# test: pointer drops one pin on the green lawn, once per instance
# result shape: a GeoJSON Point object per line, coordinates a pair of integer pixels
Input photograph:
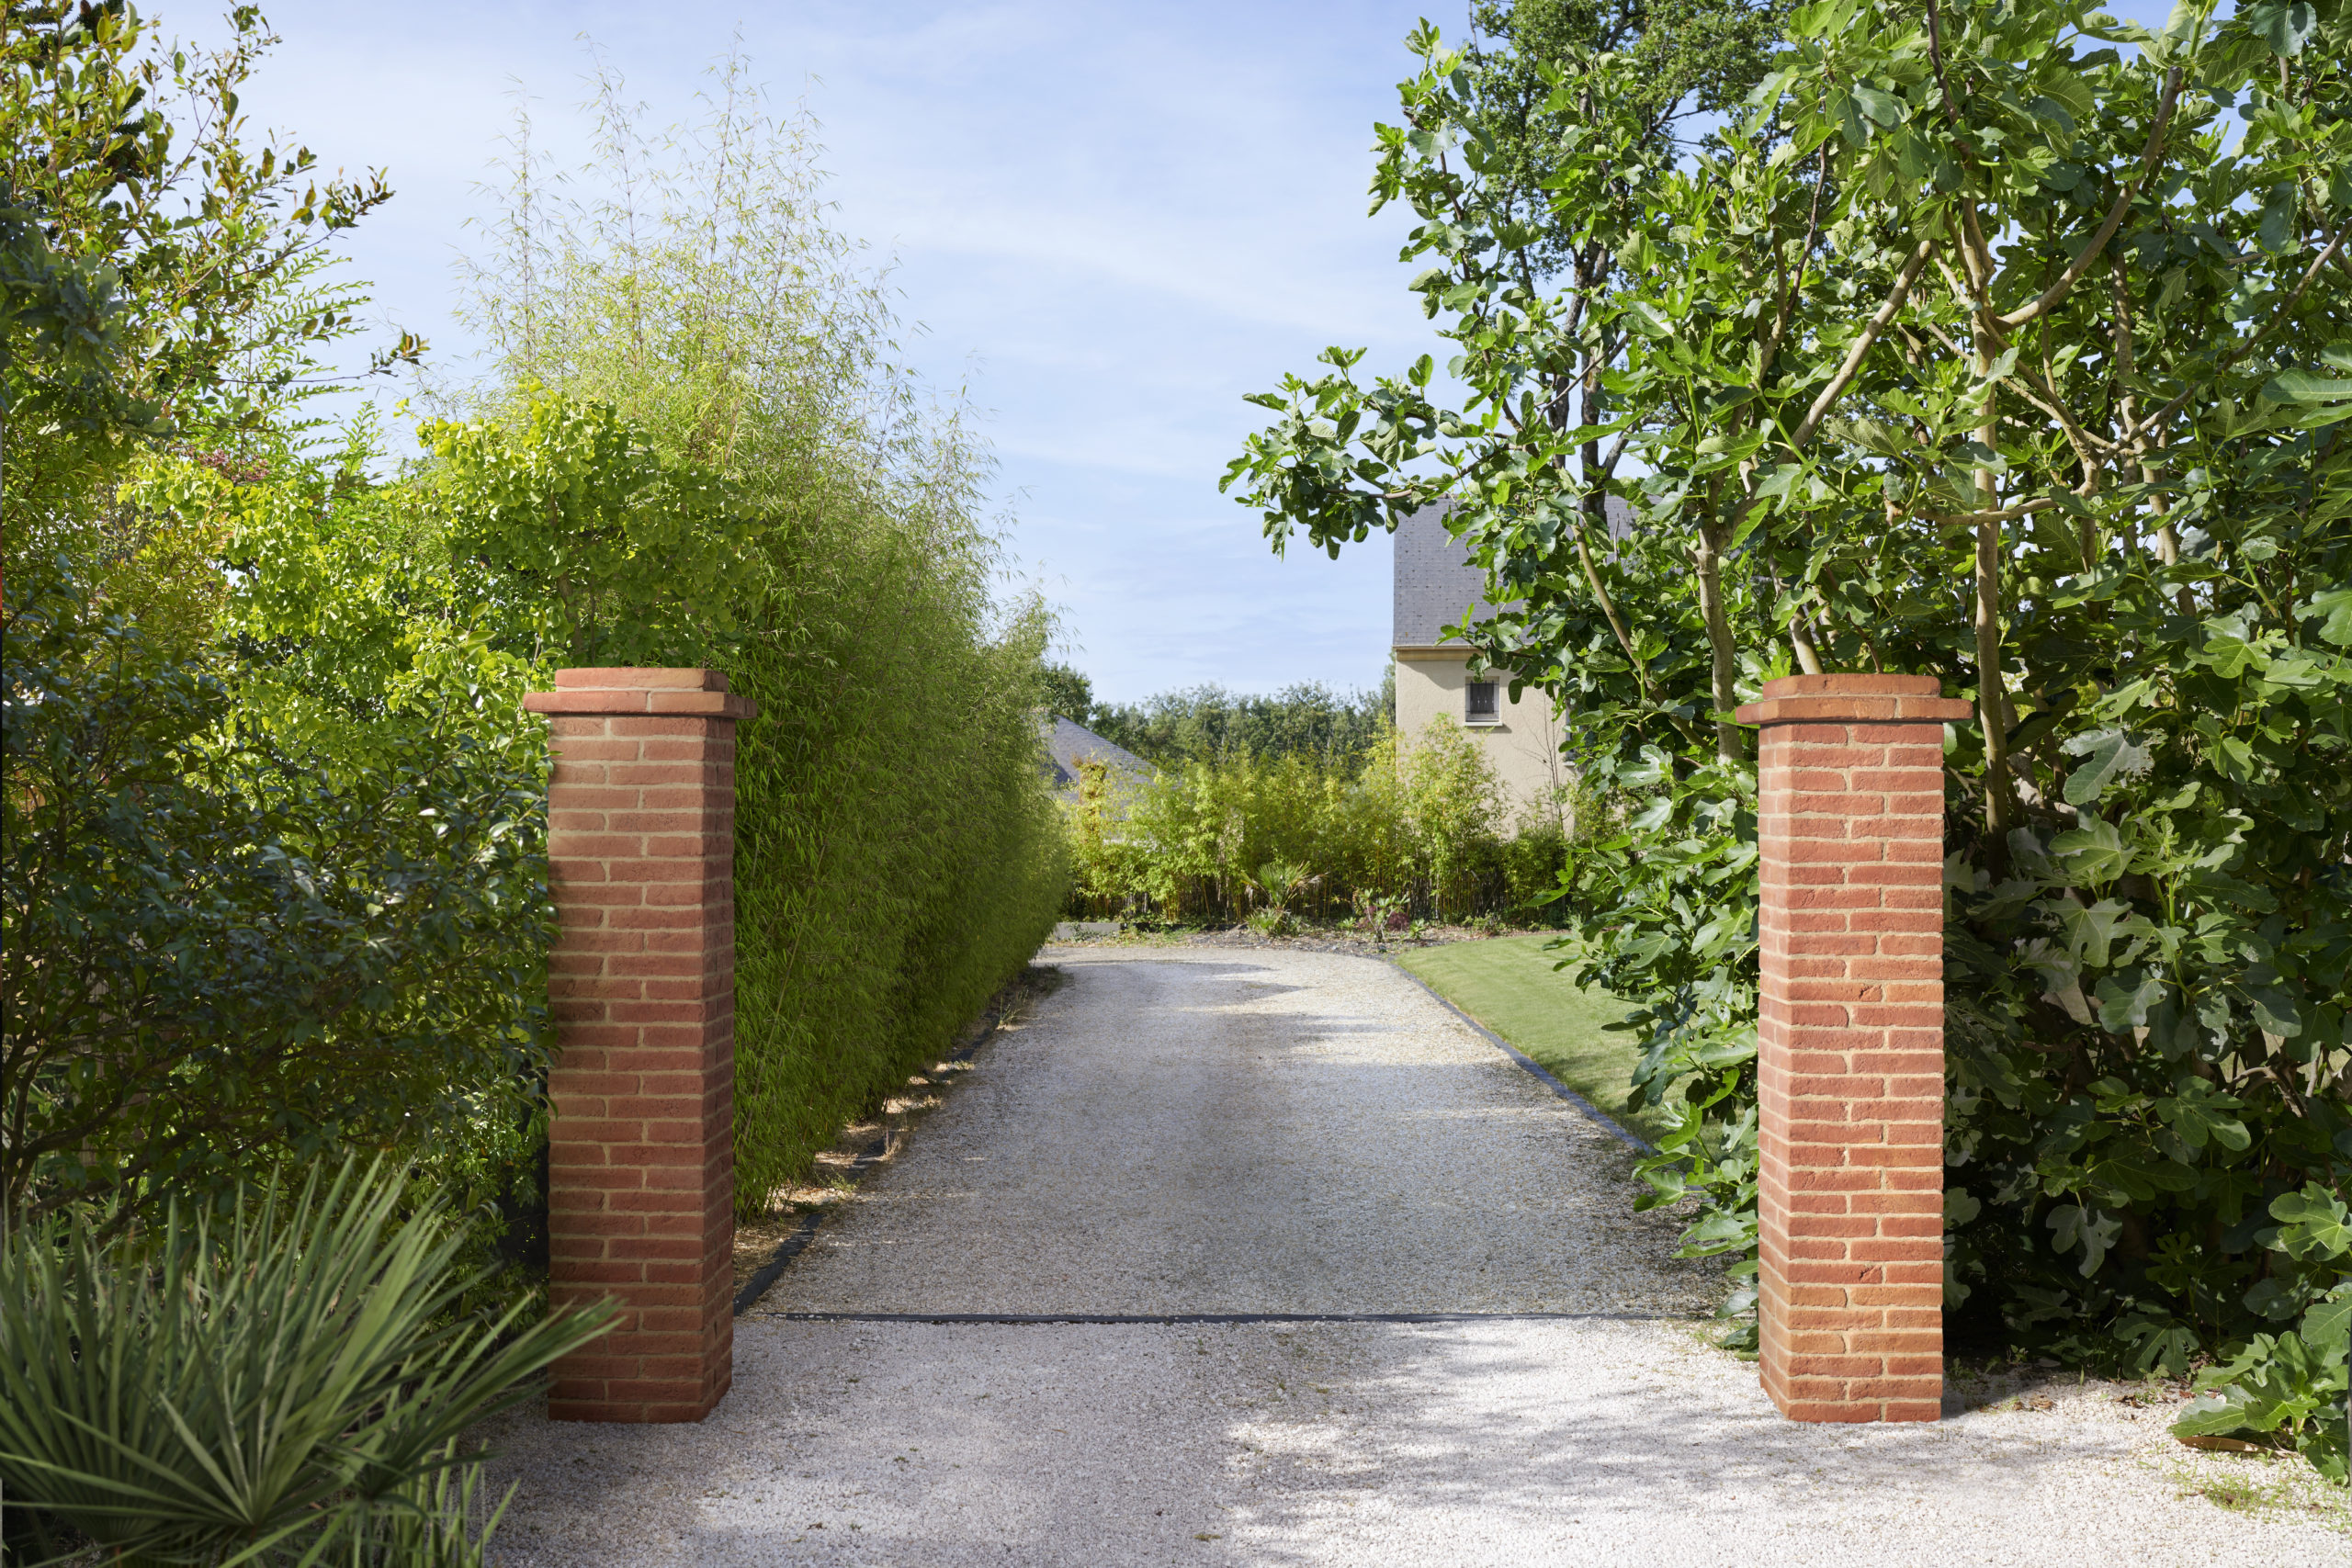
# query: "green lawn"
{"type": "Point", "coordinates": [1510, 986]}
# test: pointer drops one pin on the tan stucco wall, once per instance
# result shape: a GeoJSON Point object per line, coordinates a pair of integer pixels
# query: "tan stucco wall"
{"type": "Point", "coordinates": [1523, 746]}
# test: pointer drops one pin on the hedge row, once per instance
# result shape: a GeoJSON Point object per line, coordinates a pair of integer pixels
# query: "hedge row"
{"type": "Point", "coordinates": [1424, 826]}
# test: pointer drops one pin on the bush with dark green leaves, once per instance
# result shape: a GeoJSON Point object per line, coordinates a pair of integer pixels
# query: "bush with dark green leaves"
{"type": "Point", "coordinates": [216, 953]}
{"type": "Point", "coordinates": [1985, 343]}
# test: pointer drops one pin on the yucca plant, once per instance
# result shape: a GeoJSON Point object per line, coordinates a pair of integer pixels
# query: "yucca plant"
{"type": "Point", "coordinates": [1277, 882]}
{"type": "Point", "coordinates": [286, 1386]}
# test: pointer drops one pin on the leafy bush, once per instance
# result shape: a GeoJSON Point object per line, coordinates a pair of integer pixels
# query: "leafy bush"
{"type": "Point", "coordinates": [215, 953]}
{"type": "Point", "coordinates": [2292, 1384]}
{"type": "Point", "coordinates": [272, 884]}
{"type": "Point", "coordinates": [898, 858]}
{"type": "Point", "coordinates": [1423, 825]}
{"type": "Point", "coordinates": [621, 554]}
{"type": "Point", "coordinates": [289, 1383]}
{"type": "Point", "coordinates": [740, 480]}
{"type": "Point", "coordinates": [2064, 426]}
{"type": "Point", "coordinates": [897, 855]}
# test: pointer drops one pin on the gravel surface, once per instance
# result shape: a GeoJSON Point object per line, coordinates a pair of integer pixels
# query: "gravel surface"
{"type": "Point", "coordinates": [1301, 1132]}
{"type": "Point", "coordinates": [1195, 1131]}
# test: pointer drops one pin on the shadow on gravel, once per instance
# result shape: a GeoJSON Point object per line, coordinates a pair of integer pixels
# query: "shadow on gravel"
{"type": "Point", "coordinates": [1496, 1444]}
{"type": "Point", "coordinates": [1589, 1443]}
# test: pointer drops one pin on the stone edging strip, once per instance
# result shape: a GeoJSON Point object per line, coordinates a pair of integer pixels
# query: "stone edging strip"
{"type": "Point", "coordinates": [790, 1246]}
{"type": "Point", "coordinates": [1522, 1057]}
{"type": "Point", "coordinates": [1175, 1318]}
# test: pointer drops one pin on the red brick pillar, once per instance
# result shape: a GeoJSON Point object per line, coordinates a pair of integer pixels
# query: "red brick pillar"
{"type": "Point", "coordinates": [1850, 1065]}
{"type": "Point", "coordinates": [641, 1157]}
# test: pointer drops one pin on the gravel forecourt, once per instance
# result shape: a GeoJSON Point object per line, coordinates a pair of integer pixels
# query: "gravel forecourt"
{"type": "Point", "coordinates": [1181, 1131]}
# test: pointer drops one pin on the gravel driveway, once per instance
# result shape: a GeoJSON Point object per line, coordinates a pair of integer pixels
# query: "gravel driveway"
{"type": "Point", "coordinates": [1202, 1131]}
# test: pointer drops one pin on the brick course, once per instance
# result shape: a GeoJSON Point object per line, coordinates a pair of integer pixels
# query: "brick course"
{"type": "Point", "coordinates": [1849, 1033]}
{"type": "Point", "coordinates": [641, 1151]}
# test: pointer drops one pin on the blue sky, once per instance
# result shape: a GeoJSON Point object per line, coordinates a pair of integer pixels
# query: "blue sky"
{"type": "Point", "coordinates": [1110, 220]}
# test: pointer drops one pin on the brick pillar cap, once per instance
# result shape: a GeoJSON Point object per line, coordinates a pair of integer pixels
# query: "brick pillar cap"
{"type": "Point", "coordinates": [641, 691]}
{"type": "Point", "coordinates": [1853, 698]}
{"type": "Point", "coordinates": [629, 678]}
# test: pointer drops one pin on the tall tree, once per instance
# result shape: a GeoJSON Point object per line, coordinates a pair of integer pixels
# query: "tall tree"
{"type": "Point", "coordinates": [1538, 81]}
{"type": "Point", "coordinates": [1977, 344]}
{"type": "Point", "coordinates": [164, 275]}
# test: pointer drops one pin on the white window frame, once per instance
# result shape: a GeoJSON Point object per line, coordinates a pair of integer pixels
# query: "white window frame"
{"type": "Point", "coordinates": [1494, 715]}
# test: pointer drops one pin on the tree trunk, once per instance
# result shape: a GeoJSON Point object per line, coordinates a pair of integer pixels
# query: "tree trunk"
{"type": "Point", "coordinates": [1722, 652]}
{"type": "Point", "coordinates": [1992, 697]}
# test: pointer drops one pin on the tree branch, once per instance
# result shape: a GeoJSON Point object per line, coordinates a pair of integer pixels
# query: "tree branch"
{"type": "Point", "coordinates": [2137, 433]}
{"type": "Point", "coordinates": [1853, 362]}
{"type": "Point", "coordinates": [2053, 296]}
{"type": "Point", "coordinates": [1804, 261]}
{"type": "Point", "coordinates": [1609, 608]}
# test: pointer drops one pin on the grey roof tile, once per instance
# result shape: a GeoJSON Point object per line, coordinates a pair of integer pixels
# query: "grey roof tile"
{"type": "Point", "coordinates": [1067, 745]}
{"type": "Point", "coordinates": [1435, 580]}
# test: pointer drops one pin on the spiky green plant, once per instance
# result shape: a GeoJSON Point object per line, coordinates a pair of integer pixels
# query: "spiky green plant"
{"type": "Point", "coordinates": [288, 1385]}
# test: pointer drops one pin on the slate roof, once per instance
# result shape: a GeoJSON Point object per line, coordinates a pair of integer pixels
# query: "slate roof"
{"type": "Point", "coordinates": [1436, 581]}
{"type": "Point", "coordinates": [1068, 744]}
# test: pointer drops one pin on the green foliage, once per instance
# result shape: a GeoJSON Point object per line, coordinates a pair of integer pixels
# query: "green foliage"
{"type": "Point", "coordinates": [1209, 724]}
{"type": "Point", "coordinates": [61, 334]}
{"type": "Point", "coordinates": [631, 556]}
{"type": "Point", "coordinates": [1065, 691]}
{"type": "Point", "coordinates": [1423, 825]}
{"type": "Point", "coordinates": [1974, 346]}
{"type": "Point", "coordinates": [162, 274]}
{"type": "Point", "coordinates": [133, 155]}
{"type": "Point", "coordinates": [2292, 1384]}
{"type": "Point", "coordinates": [897, 855]}
{"type": "Point", "coordinates": [738, 480]}
{"type": "Point", "coordinates": [290, 1383]}
{"type": "Point", "coordinates": [214, 952]}
{"type": "Point", "coordinates": [1687, 57]}
{"type": "Point", "coordinates": [274, 885]}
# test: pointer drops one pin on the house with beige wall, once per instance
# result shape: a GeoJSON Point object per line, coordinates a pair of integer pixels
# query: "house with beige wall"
{"type": "Point", "coordinates": [1436, 583]}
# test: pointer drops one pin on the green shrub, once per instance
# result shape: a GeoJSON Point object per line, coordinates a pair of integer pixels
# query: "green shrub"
{"type": "Point", "coordinates": [897, 853]}
{"type": "Point", "coordinates": [1424, 825]}
{"type": "Point", "coordinates": [276, 884]}
{"type": "Point", "coordinates": [2066, 430]}
{"type": "Point", "coordinates": [273, 883]}
{"type": "Point", "coordinates": [216, 953]}
{"type": "Point", "coordinates": [286, 1385]}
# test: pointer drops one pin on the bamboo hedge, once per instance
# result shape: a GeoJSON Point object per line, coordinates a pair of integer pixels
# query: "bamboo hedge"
{"type": "Point", "coordinates": [1422, 827]}
{"type": "Point", "coordinates": [896, 855]}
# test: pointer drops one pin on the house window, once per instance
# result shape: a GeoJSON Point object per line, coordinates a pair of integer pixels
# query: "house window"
{"type": "Point", "coordinates": [1480, 706]}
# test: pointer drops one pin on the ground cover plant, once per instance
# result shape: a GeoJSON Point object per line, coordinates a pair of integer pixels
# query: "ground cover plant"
{"type": "Point", "coordinates": [2004, 343]}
